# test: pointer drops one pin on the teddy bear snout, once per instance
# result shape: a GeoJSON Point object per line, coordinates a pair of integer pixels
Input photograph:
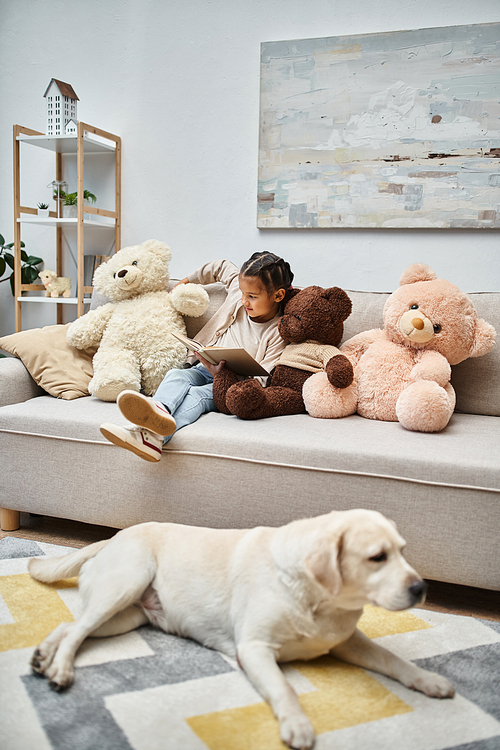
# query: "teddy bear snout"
{"type": "Point", "coordinates": [128, 277]}
{"type": "Point", "coordinates": [290, 328]}
{"type": "Point", "coordinates": [416, 327]}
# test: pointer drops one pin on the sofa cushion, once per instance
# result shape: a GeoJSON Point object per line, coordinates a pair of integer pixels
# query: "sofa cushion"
{"type": "Point", "coordinates": [367, 312]}
{"type": "Point", "coordinates": [477, 380]}
{"type": "Point", "coordinates": [55, 365]}
{"type": "Point", "coordinates": [459, 456]}
{"type": "Point", "coordinates": [217, 294]}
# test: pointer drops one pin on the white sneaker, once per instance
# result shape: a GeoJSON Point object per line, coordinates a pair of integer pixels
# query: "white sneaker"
{"type": "Point", "coordinates": [140, 441]}
{"type": "Point", "coordinates": [145, 412]}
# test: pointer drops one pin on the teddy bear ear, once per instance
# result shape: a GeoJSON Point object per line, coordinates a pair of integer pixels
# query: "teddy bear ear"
{"type": "Point", "coordinates": [417, 272]}
{"type": "Point", "coordinates": [99, 274]}
{"type": "Point", "coordinates": [157, 247]}
{"type": "Point", "coordinates": [343, 304]}
{"type": "Point", "coordinates": [484, 340]}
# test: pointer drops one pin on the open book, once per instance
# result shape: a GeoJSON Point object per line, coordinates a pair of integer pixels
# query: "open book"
{"type": "Point", "coordinates": [238, 360]}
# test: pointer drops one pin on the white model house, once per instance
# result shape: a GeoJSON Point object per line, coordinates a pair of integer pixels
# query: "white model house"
{"type": "Point", "coordinates": [61, 107]}
{"type": "Point", "coordinates": [72, 127]}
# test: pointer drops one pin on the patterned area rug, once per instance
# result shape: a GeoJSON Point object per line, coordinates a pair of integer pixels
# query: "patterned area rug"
{"type": "Point", "coordinates": [150, 691]}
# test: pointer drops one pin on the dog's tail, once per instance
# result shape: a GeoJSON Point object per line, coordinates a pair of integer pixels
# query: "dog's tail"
{"type": "Point", "coordinates": [50, 569]}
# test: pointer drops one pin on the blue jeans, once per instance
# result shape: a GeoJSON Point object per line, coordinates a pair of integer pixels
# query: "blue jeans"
{"type": "Point", "coordinates": [187, 394]}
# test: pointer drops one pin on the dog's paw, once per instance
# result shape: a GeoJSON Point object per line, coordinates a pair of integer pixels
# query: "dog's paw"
{"type": "Point", "coordinates": [42, 659]}
{"type": "Point", "coordinates": [433, 685]}
{"type": "Point", "coordinates": [57, 687]}
{"type": "Point", "coordinates": [297, 732]}
{"type": "Point", "coordinates": [59, 677]}
{"type": "Point", "coordinates": [38, 662]}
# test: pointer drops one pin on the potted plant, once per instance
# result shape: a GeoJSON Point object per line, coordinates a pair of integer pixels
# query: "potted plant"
{"type": "Point", "coordinates": [43, 210]}
{"type": "Point", "coordinates": [29, 263]}
{"type": "Point", "coordinates": [71, 201]}
{"type": "Point", "coordinates": [69, 210]}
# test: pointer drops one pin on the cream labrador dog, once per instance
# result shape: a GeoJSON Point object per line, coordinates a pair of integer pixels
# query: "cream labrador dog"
{"type": "Point", "coordinates": [262, 596]}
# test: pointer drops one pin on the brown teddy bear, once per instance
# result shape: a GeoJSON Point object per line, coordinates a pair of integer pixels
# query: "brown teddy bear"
{"type": "Point", "coordinates": [312, 323]}
{"type": "Point", "coordinates": [402, 373]}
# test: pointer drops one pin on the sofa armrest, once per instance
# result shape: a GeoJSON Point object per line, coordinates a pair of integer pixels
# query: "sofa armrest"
{"type": "Point", "coordinates": [16, 384]}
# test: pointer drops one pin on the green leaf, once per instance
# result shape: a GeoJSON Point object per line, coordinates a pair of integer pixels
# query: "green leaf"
{"type": "Point", "coordinates": [29, 274]}
{"type": "Point", "coordinates": [89, 196]}
{"type": "Point", "coordinates": [29, 263]}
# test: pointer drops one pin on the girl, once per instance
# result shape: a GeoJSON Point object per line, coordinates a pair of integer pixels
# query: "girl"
{"type": "Point", "coordinates": [248, 318]}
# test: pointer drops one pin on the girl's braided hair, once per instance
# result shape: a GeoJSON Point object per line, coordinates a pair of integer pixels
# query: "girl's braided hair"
{"type": "Point", "coordinates": [274, 272]}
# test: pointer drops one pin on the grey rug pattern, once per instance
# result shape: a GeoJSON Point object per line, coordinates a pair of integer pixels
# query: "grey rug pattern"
{"type": "Point", "coordinates": [152, 691]}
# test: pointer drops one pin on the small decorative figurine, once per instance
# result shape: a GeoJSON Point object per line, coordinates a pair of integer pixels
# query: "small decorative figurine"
{"type": "Point", "coordinates": [61, 108]}
{"type": "Point", "coordinates": [55, 286]}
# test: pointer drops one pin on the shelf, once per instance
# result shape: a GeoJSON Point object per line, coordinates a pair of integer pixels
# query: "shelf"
{"type": "Point", "coordinates": [91, 230]}
{"type": "Point", "coordinates": [53, 222]}
{"type": "Point", "coordinates": [56, 300]}
{"type": "Point", "coordinates": [67, 144]}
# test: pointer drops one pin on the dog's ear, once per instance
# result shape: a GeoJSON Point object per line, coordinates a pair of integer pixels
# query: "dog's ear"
{"type": "Point", "coordinates": [324, 565]}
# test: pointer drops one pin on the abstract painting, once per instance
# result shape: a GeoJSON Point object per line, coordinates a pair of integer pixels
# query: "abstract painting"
{"type": "Point", "coordinates": [399, 129]}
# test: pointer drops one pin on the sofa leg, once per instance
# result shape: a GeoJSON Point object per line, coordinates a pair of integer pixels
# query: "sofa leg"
{"type": "Point", "coordinates": [10, 519]}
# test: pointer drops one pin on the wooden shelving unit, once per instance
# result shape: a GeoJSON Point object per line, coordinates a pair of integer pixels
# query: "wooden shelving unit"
{"type": "Point", "coordinates": [88, 140]}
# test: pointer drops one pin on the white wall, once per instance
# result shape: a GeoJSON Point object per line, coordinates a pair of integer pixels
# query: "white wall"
{"type": "Point", "coordinates": [179, 81]}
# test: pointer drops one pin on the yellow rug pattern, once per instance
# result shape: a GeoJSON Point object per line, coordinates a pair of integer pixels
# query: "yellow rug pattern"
{"type": "Point", "coordinates": [151, 691]}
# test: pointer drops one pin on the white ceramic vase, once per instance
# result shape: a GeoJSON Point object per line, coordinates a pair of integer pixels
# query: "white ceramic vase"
{"type": "Point", "coordinates": [71, 212]}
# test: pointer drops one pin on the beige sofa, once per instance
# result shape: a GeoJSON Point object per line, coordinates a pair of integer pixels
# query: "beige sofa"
{"type": "Point", "coordinates": [443, 490]}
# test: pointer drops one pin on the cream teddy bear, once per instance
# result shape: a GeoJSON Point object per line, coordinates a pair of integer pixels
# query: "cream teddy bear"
{"type": "Point", "coordinates": [402, 373]}
{"type": "Point", "coordinates": [133, 330]}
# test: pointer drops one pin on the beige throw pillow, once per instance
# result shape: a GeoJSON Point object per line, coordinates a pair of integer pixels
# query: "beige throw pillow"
{"type": "Point", "coordinates": [52, 362]}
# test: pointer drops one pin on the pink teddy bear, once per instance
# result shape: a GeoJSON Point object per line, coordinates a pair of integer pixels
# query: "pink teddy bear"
{"type": "Point", "coordinates": [402, 373]}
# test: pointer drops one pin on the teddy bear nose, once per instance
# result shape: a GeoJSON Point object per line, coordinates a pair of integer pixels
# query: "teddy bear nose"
{"type": "Point", "coordinates": [417, 323]}
{"type": "Point", "coordinates": [122, 273]}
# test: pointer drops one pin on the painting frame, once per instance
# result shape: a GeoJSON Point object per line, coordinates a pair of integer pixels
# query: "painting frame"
{"type": "Point", "coordinates": [388, 130]}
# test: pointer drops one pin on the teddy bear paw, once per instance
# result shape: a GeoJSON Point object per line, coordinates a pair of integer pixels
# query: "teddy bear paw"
{"type": "Point", "coordinates": [108, 389]}
{"type": "Point", "coordinates": [190, 299]}
{"type": "Point", "coordinates": [246, 399]}
{"type": "Point", "coordinates": [324, 401]}
{"type": "Point", "coordinates": [425, 406]}
{"type": "Point", "coordinates": [340, 371]}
